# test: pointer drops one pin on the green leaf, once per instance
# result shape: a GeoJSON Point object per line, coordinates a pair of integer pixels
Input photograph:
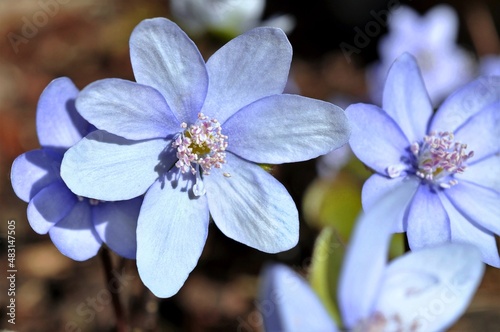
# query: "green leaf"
{"type": "Point", "coordinates": [325, 269]}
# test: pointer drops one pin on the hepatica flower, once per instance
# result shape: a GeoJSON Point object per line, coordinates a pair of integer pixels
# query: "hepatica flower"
{"type": "Point", "coordinates": [77, 225]}
{"type": "Point", "coordinates": [190, 135]}
{"type": "Point", "coordinates": [425, 290]}
{"type": "Point", "coordinates": [431, 39]}
{"type": "Point", "coordinates": [451, 158]}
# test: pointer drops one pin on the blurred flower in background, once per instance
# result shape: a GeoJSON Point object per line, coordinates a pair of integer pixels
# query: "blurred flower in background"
{"type": "Point", "coordinates": [431, 39]}
{"type": "Point", "coordinates": [426, 290]}
{"type": "Point", "coordinates": [227, 18]}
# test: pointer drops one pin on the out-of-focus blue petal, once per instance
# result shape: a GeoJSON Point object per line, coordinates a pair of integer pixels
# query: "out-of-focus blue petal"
{"type": "Point", "coordinates": [171, 233]}
{"type": "Point", "coordinates": [164, 58]}
{"type": "Point", "coordinates": [249, 67]}
{"type": "Point", "coordinates": [116, 224]}
{"type": "Point", "coordinates": [287, 303]}
{"type": "Point", "coordinates": [34, 170]}
{"type": "Point", "coordinates": [110, 168]}
{"type": "Point", "coordinates": [127, 109]}
{"type": "Point", "coordinates": [366, 254]}
{"type": "Point", "coordinates": [405, 98]}
{"type": "Point", "coordinates": [75, 235]}
{"type": "Point", "coordinates": [278, 129]}
{"type": "Point", "coordinates": [49, 206]}
{"type": "Point", "coordinates": [429, 289]}
{"type": "Point", "coordinates": [251, 206]}
{"type": "Point", "coordinates": [375, 138]}
{"type": "Point", "coordinates": [485, 173]}
{"type": "Point", "coordinates": [477, 204]}
{"type": "Point", "coordinates": [465, 102]}
{"type": "Point", "coordinates": [463, 231]}
{"type": "Point", "coordinates": [58, 124]}
{"type": "Point", "coordinates": [481, 132]}
{"type": "Point", "coordinates": [428, 223]}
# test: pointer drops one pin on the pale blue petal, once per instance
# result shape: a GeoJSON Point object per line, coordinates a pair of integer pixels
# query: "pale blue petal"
{"type": "Point", "coordinates": [430, 288]}
{"type": "Point", "coordinates": [127, 109]}
{"type": "Point", "coordinates": [58, 124]}
{"type": "Point", "coordinates": [251, 66]}
{"type": "Point", "coordinates": [466, 102]}
{"type": "Point", "coordinates": [34, 170]}
{"type": "Point", "coordinates": [485, 173]}
{"type": "Point", "coordinates": [111, 168]}
{"type": "Point", "coordinates": [481, 132]}
{"type": "Point", "coordinates": [428, 223]}
{"type": "Point", "coordinates": [375, 138]}
{"type": "Point", "coordinates": [476, 203]}
{"type": "Point", "coordinates": [405, 98]}
{"type": "Point", "coordinates": [286, 128]}
{"type": "Point", "coordinates": [463, 231]}
{"type": "Point", "coordinates": [378, 186]}
{"type": "Point", "coordinates": [165, 58]}
{"type": "Point", "coordinates": [288, 303]}
{"type": "Point", "coordinates": [50, 205]}
{"type": "Point", "coordinates": [75, 235]}
{"type": "Point", "coordinates": [366, 254]}
{"type": "Point", "coordinates": [251, 206]}
{"type": "Point", "coordinates": [171, 233]}
{"type": "Point", "coordinates": [116, 224]}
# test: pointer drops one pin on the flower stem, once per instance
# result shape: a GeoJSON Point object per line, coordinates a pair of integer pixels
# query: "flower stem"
{"type": "Point", "coordinates": [121, 325]}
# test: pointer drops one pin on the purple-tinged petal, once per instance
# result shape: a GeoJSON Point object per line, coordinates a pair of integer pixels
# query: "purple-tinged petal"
{"type": "Point", "coordinates": [478, 204]}
{"type": "Point", "coordinates": [405, 98]}
{"type": "Point", "coordinates": [366, 254]}
{"type": "Point", "coordinates": [249, 67]}
{"type": "Point", "coordinates": [116, 224]}
{"type": "Point", "coordinates": [110, 168]}
{"type": "Point", "coordinates": [58, 124]}
{"type": "Point", "coordinates": [171, 233]}
{"type": "Point", "coordinates": [127, 109]}
{"type": "Point", "coordinates": [278, 129]}
{"type": "Point", "coordinates": [375, 138]}
{"type": "Point", "coordinates": [485, 173]}
{"type": "Point", "coordinates": [481, 132]}
{"type": "Point", "coordinates": [288, 303]}
{"type": "Point", "coordinates": [466, 102]}
{"type": "Point", "coordinates": [75, 235]}
{"type": "Point", "coordinates": [463, 231]}
{"type": "Point", "coordinates": [164, 58]}
{"type": "Point", "coordinates": [50, 205]}
{"type": "Point", "coordinates": [429, 289]}
{"type": "Point", "coordinates": [428, 223]}
{"type": "Point", "coordinates": [34, 170]}
{"type": "Point", "coordinates": [251, 206]}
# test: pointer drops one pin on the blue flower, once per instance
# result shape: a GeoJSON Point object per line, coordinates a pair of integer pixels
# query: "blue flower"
{"type": "Point", "coordinates": [425, 290]}
{"type": "Point", "coordinates": [190, 135]}
{"type": "Point", "coordinates": [229, 17]}
{"type": "Point", "coordinates": [450, 158]}
{"type": "Point", "coordinates": [432, 40]}
{"type": "Point", "coordinates": [77, 225]}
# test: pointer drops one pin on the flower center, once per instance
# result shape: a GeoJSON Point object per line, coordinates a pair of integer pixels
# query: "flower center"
{"type": "Point", "coordinates": [92, 201]}
{"type": "Point", "coordinates": [438, 157]}
{"type": "Point", "coordinates": [202, 145]}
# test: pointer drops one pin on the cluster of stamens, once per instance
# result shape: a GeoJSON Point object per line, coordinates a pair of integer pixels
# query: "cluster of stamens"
{"type": "Point", "coordinates": [92, 201]}
{"type": "Point", "coordinates": [438, 156]}
{"type": "Point", "coordinates": [202, 145]}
